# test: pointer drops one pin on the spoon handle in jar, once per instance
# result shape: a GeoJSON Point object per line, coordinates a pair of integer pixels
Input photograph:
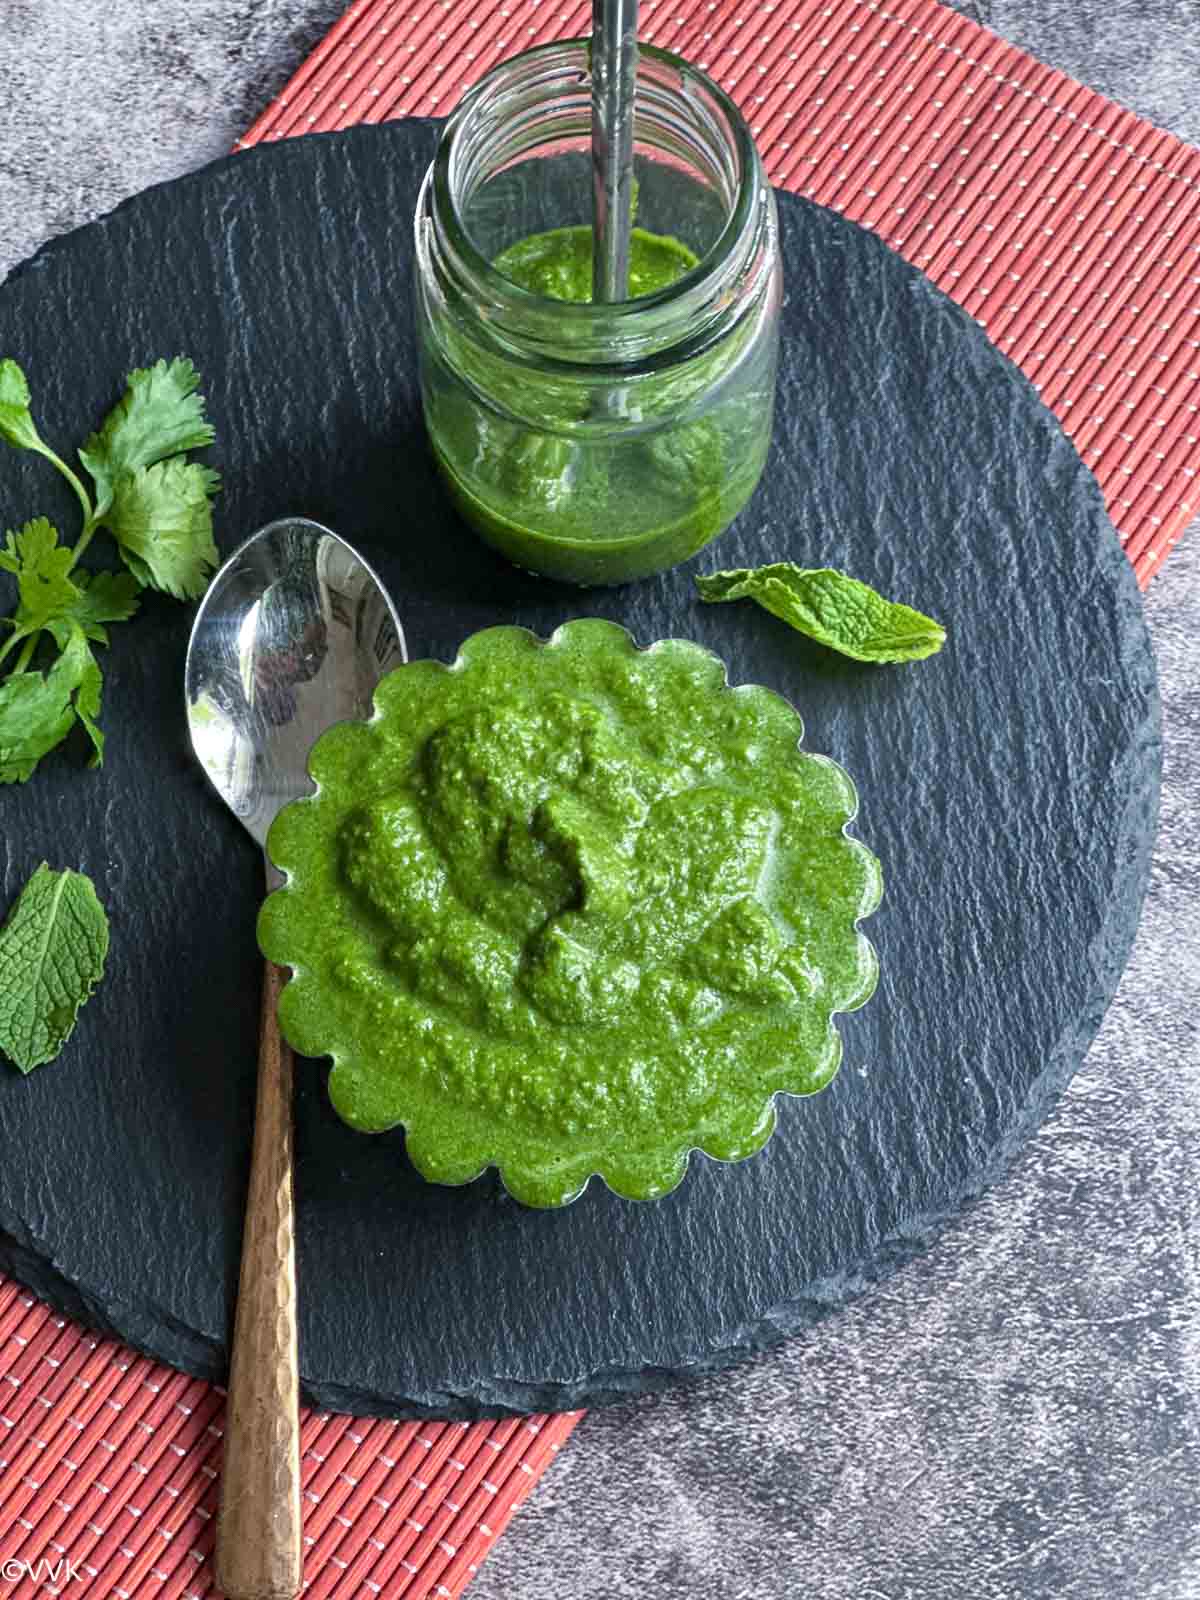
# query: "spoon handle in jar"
{"type": "Point", "coordinates": [258, 1531]}
{"type": "Point", "coordinates": [614, 83]}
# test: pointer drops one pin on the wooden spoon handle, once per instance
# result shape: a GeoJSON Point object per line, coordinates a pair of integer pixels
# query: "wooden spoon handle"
{"type": "Point", "coordinates": [258, 1532]}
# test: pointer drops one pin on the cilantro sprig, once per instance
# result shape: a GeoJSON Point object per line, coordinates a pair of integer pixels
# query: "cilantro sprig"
{"type": "Point", "coordinates": [156, 505]}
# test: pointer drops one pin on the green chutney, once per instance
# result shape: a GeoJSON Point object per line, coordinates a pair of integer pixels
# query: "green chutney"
{"type": "Point", "coordinates": [534, 462]}
{"type": "Point", "coordinates": [569, 908]}
{"type": "Point", "coordinates": [558, 265]}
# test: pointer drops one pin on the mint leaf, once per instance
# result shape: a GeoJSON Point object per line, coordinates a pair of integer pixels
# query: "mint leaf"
{"type": "Point", "coordinates": [38, 710]}
{"type": "Point", "coordinates": [159, 415]}
{"type": "Point", "coordinates": [41, 566]}
{"type": "Point", "coordinates": [16, 423]}
{"type": "Point", "coordinates": [52, 953]}
{"type": "Point", "coordinates": [832, 608]}
{"type": "Point", "coordinates": [161, 517]}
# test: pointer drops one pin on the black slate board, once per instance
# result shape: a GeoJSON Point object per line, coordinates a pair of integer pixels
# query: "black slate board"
{"type": "Point", "coordinates": [1009, 785]}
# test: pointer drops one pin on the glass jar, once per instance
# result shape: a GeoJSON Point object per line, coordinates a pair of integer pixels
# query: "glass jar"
{"type": "Point", "coordinates": [597, 443]}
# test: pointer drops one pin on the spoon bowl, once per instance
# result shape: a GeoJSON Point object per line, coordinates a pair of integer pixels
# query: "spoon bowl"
{"type": "Point", "coordinates": [293, 635]}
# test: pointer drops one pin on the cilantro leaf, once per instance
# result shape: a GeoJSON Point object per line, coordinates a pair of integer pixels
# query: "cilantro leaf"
{"type": "Point", "coordinates": [16, 423]}
{"type": "Point", "coordinates": [103, 597]}
{"type": "Point", "coordinates": [161, 518]}
{"type": "Point", "coordinates": [34, 717]}
{"type": "Point", "coordinates": [41, 566]}
{"type": "Point", "coordinates": [159, 415]}
{"type": "Point", "coordinates": [38, 710]}
{"type": "Point", "coordinates": [52, 953]}
{"type": "Point", "coordinates": [50, 600]}
{"type": "Point", "coordinates": [87, 707]}
{"type": "Point", "coordinates": [17, 426]}
{"type": "Point", "coordinates": [832, 608]}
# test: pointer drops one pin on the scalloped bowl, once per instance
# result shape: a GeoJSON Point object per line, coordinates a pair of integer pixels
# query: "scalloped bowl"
{"type": "Point", "coordinates": [571, 907]}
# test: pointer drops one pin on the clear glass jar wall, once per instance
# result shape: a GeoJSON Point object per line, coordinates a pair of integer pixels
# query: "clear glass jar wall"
{"type": "Point", "coordinates": [597, 443]}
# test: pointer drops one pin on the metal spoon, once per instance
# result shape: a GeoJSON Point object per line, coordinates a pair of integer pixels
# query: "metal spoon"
{"type": "Point", "coordinates": [614, 82]}
{"type": "Point", "coordinates": [292, 636]}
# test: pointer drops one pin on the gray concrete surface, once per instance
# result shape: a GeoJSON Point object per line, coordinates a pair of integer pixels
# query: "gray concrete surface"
{"type": "Point", "coordinates": [1017, 1415]}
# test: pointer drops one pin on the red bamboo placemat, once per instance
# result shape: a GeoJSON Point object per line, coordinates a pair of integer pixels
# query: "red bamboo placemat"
{"type": "Point", "coordinates": [1071, 229]}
